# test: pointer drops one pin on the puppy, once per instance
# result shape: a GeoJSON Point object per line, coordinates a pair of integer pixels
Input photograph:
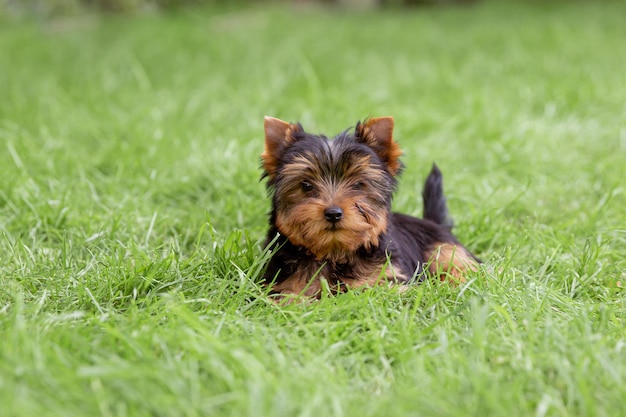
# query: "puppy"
{"type": "Point", "coordinates": [331, 222]}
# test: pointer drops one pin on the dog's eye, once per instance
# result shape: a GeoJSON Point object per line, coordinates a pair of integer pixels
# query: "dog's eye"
{"type": "Point", "coordinates": [358, 185]}
{"type": "Point", "coordinates": [306, 186]}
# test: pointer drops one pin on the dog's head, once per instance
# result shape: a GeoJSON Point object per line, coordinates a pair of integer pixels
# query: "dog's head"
{"type": "Point", "coordinates": [331, 196]}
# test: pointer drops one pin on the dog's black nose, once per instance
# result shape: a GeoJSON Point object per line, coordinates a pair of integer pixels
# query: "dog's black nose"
{"type": "Point", "coordinates": [333, 214]}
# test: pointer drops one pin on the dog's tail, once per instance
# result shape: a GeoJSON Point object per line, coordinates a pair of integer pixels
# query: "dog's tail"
{"type": "Point", "coordinates": [435, 207]}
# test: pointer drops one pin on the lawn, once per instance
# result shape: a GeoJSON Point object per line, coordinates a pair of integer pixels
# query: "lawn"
{"type": "Point", "coordinates": [132, 215]}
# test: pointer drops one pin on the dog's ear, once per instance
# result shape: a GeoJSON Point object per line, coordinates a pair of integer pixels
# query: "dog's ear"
{"type": "Point", "coordinates": [278, 135]}
{"type": "Point", "coordinates": [377, 133]}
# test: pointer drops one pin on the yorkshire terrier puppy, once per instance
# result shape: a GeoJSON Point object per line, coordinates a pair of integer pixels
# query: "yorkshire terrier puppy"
{"type": "Point", "coordinates": [331, 220]}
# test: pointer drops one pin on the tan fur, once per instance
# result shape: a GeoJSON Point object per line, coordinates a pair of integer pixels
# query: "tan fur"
{"type": "Point", "coordinates": [307, 280]}
{"type": "Point", "coordinates": [450, 262]}
{"type": "Point", "coordinates": [277, 135]}
{"type": "Point", "coordinates": [378, 134]}
{"type": "Point", "coordinates": [305, 225]}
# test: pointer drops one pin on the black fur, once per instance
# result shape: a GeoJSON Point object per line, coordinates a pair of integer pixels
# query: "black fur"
{"type": "Point", "coordinates": [404, 243]}
{"type": "Point", "coordinates": [435, 207]}
{"type": "Point", "coordinates": [406, 240]}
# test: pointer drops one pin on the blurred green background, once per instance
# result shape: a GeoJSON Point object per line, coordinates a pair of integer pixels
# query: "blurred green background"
{"type": "Point", "coordinates": [68, 7]}
{"type": "Point", "coordinates": [132, 215]}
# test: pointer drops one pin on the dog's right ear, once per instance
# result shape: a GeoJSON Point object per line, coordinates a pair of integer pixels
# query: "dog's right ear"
{"type": "Point", "coordinates": [278, 135]}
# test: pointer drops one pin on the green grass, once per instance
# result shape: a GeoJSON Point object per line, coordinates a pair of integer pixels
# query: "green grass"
{"type": "Point", "coordinates": [131, 212]}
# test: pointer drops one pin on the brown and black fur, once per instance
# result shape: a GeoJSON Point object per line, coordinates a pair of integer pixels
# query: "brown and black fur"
{"type": "Point", "coordinates": [331, 218]}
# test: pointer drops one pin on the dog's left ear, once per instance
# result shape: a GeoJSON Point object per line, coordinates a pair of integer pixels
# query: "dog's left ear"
{"type": "Point", "coordinates": [377, 133]}
{"type": "Point", "coordinates": [278, 135]}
